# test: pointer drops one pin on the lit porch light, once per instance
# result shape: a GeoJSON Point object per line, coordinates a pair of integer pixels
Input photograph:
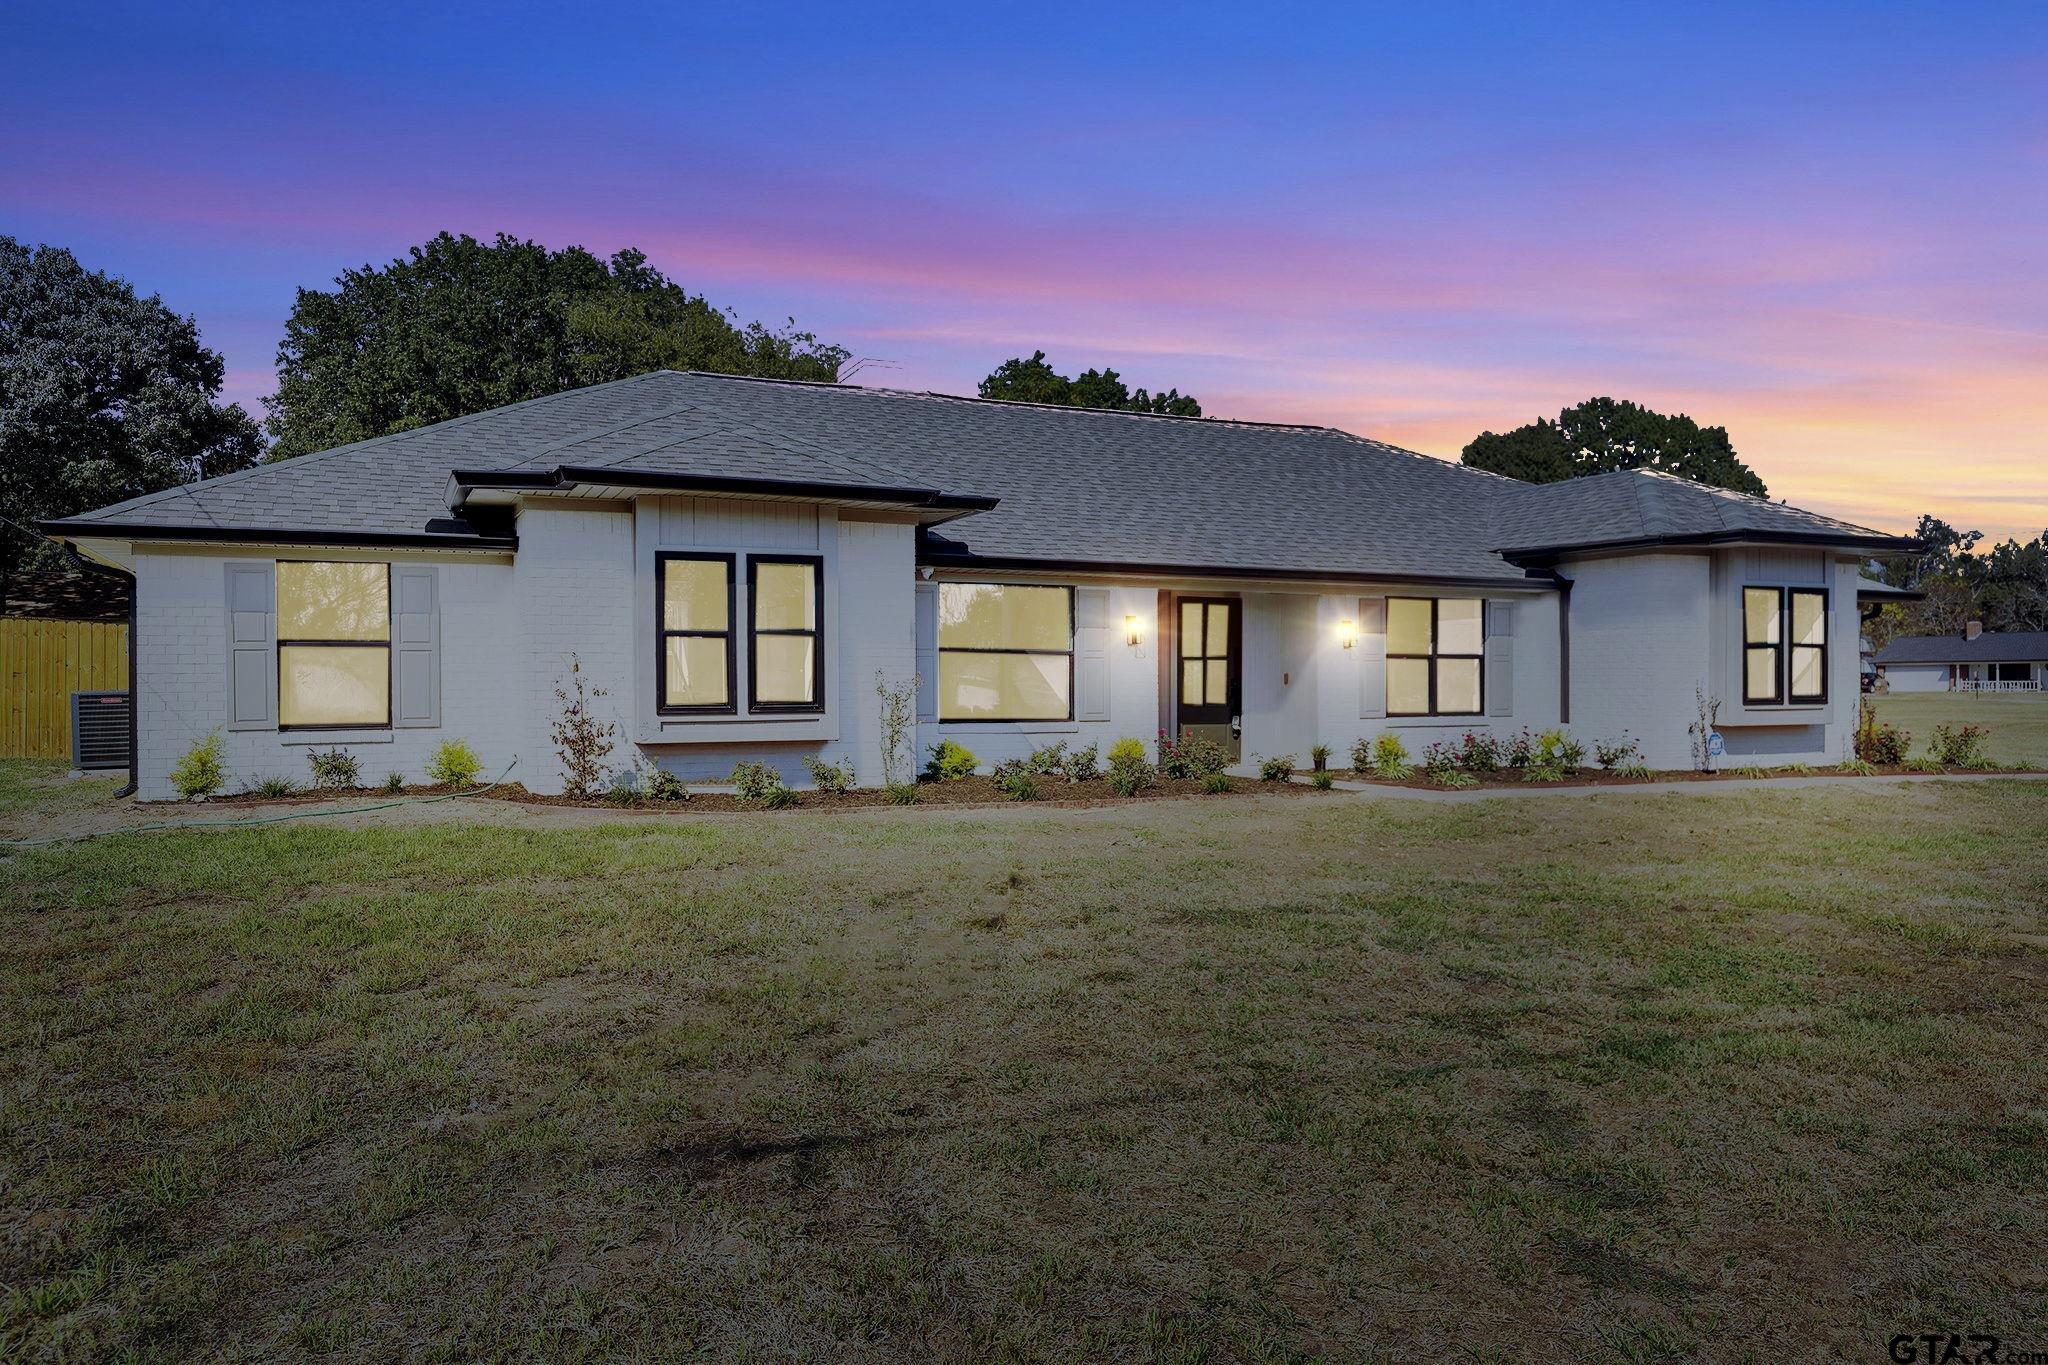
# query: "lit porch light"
{"type": "Point", "coordinates": [1347, 632]}
{"type": "Point", "coordinates": [1131, 632]}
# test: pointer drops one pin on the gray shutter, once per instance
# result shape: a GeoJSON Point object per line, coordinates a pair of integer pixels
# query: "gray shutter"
{"type": "Point", "coordinates": [1372, 658]}
{"type": "Point", "coordinates": [1500, 658]}
{"type": "Point", "coordinates": [927, 651]}
{"type": "Point", "coordinates": [415, 645]}
{"type": "Point", "coordinates": [1091, 653]}
{"type": "Point", "coordinates": [252, 645]}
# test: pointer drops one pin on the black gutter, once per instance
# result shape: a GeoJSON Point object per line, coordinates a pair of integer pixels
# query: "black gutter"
{"type": "Point", "coordinates": [1564, 650]}
{"type": "Point", "coordinates": [567, 475]}
{"type": "Point", "coordinates": [1350, 575]}
{"type": "Point", "coordinates": [237, 535]}
{"type": "Point", "coordinates": [1538, 555]}
{"type": "Point", "coordinates": [134, 691]}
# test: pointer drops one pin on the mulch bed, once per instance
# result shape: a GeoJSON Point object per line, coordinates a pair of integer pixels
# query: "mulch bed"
{"type": "Point", "coordinates": [966, 791]}
{"type": "Point", "coordinates": [1594, 777]}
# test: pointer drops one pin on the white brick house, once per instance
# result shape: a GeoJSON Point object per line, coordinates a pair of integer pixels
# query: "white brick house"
{"type": "Point", "coordinates": [736, 562]}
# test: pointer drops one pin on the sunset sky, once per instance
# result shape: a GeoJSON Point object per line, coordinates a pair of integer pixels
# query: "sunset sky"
{"type": "Point", "coordinates": [1824, 227]}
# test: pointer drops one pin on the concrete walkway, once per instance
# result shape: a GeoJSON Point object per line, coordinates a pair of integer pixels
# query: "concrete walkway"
{"type": "Point", "coordinates": [1389, 791]}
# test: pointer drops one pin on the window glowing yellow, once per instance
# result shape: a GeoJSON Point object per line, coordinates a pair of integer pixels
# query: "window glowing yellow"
{"type": "Point", "coordinates": [333, 684]}
{"type": "Point", "coordinates": [1003, 616]}
{"type": "Point", "coordinates": [785, 670]}
{"type": "Point", "coordinates": [694, 595]}
{"type": "Point", "coordinates": [1408, 625]}
{"type": "Point", "coordinates": [1003, 686]}
{"type": "Point", "coordinates": [333, 601]}
{"type": "Point", "coordinates": [696, 671]}
{"type": "Point", "coordinates": [785, 596]}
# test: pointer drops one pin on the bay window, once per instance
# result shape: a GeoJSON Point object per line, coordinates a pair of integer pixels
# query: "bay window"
{"type": "Point", "coordinates": [333, 645]}
{"type": "Point", "coordinates": [1436, 654]}
{"type": "Point", "coordinates": [1006, 652]}
{"type": "Point", "coordinates": [1784, 646]}
{"type": "Point", "coordinates": [785, 669]}
{"type": "Point", "coordinates": [693, 607]}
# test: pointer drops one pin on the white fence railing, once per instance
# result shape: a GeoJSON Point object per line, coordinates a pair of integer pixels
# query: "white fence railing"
{"type": "Point", "coordinates": [1986, 685]}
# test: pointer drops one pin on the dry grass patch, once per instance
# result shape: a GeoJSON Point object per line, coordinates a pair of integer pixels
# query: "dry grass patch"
{"type": "Point", "coordinates": [1618, 1078]}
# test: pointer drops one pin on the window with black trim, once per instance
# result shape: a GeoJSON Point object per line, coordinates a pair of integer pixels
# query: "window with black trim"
{"type": "Point", "coordinates": [1006, 652]}
{"type": "Point", "coordinates": [333, 645]}
{"type": "Point", "coordinates": [785, 636]}
{"type": "Point", "coordinates": [1436, 656]}
{"type": "Point", "coordinates": [693, 607]}
{"type": "Point", "coordinates": [1784, 646]}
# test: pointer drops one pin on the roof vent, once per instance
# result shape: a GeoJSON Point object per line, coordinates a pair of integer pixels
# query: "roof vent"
{"type": "Point", "coordinates": [99, 729]}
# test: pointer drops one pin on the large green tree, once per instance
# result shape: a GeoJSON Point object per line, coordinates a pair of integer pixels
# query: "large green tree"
{"type": "Point", "coordinates": [104, 395]}
{"type": "Point", "coordinates": [1036, 381]}
{"type": "Point", "coordinates": [1601, 435]}
{"type": "Point", "coordinates": [2005, 587]}
{"type": "Point", "coordinates": [458, 325]}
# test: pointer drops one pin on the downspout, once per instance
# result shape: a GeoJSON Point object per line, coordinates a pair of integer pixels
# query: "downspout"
{"type": "Point", "coordinates": [134, 693]}
{"type": "Point", "coordinates": [1564, 650]}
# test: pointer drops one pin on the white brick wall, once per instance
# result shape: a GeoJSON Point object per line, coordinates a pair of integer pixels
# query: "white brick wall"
{"type": "Point", "coordinates": [574, 590]}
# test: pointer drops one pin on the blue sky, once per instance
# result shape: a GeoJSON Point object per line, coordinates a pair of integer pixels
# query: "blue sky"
{"type": "Point", "coordinates": [1821, 226]}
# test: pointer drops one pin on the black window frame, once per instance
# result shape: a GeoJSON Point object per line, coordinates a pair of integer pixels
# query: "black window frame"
{"type": "Point", "coordinates": [816, 634]}
{"type": "Point", "coordinates": [662, 634]}
{"type": "Point", "coordinates": [1435, 653]}
{"type": "Point", "coordinates": [1782, 673]}
{"type": "Point", "coordinates": [277, 682]}
{"type": "Point", "coordinates": [942, 650]}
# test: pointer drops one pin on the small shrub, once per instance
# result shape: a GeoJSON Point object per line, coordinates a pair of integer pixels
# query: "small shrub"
{"type": "Point", "coordinates": [273, 787]}
{"type": "Point", "coordinates": [1191, 756]}
{"type": "Point", "coordinates": [899, 728]}
{"type": "Point", "coordinates": [1278, 768]}
{"type": "Point", "coordinates": [1520, 751]}
{"type": "Point", "coordinates": [582, 741]}
{"type": "Point", "coordinates": [903, 793]}
{"type": "Point", "coordinates": [1438, 759]}
{"type": "Point", "coordinates": [1361, 757]}
{"type": "Point", "coordinates": [1018, 785]}
{"type": "Point", "coordinates": [1390, 756]}
{"type": "Point", "coordinates": [1558, 750]}
{"type": "Point", "coordinates": [1572, 754]}
{"type": "Point", "coordinates": [778, 797]}
{"type": "Point", "coordinates": [1876, 741]}
{"type": "Point", "coordinates": [1544, 772]}
{"type": "Point", "coordinates": [394, 782]}
{"type": "Point", "coordinates": [1216, 784]}
{"type": "Point", "coordinates": [622, 792]}
{"type": "Point", "coordinates": [335, 770]}
{"type": "Point", "coordinates": [1959, 746]}
{"type": "Point", "coordinates": [1479, 752]}
{"type": "Point", "coordinates": [1129, 770]}
{"type": "Point", "coordinates": [1319, 756]}
{"type": "Point", "coordinates": [455, 764]}
{"type": "Point", "coordinates": [659, 784]}
{"type": "Point", "coordinates": [752, 781]}
{"type": "Point", "coordinates": [203, 769]}
{"type": "Point", "coordinates": [1322, 779]}
{"type": "Point", "coordinates": [949, 762]}
{"type": "Point", "coordinates": [1859, 768]}
{"type": "Point", "coordinates": [1616, 753]}
{"type": "Point", "coordinates": [1081, 766]}
{"type": "Point", "coordinates": [1049, 760]}
{"type": "Point", "coordinates": [1634, 770]}
{"type": "Point", "coordinates": [1453, 777]}
{"type": "Point", "coordinates": [835, 778]}
{"type": "Point", "coordinates": [1922, 765]}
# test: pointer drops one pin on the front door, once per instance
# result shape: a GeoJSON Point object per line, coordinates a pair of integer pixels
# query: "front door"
{"type": "Point", "coordinates": [1209, 686]}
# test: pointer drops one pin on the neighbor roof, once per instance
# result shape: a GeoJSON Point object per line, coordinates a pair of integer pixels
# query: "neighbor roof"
{"type": "Point", "coordinates": [1047, 485]}
{"type": "Point", "coordinates": [1992, 647]}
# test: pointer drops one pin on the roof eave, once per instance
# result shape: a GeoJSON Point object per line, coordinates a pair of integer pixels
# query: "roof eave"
{"type": "Point", "coordinates": [1050, 564]}
{"type": "Point", "coordinates": [70, 528]}
{"type": "Point", "coordinates": [1545, 555]}
{"type": "Point", "coordinates": [462, 482]}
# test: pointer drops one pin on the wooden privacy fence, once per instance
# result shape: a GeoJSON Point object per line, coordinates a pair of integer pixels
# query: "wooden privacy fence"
{"type": "Point", "coordinates": [41, 664]}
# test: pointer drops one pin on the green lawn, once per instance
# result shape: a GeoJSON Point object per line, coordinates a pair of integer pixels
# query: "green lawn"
{"type": "Point", "coordinates": [1751, 1075]}
{"type": "Point", "coordinates": [2018, 721]}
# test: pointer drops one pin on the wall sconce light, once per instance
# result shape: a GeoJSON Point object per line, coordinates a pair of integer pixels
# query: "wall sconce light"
{"type": "Point", "coordinates": [1347, 632]}
{"type": "Point", "coordinates": [1131, 633]}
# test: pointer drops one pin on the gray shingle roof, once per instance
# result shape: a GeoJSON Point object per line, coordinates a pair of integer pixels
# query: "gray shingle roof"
{"type": "Point", "coordinates": [1992, 647]}
{"type": "Point", "coordinates": [1644, 506]}
{"type": "Point", "coordinates": [1074, 485]}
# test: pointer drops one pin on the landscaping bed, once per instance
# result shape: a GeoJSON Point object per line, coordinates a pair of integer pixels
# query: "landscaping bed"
{"type": "Point", "coordinates": [1519, 778]}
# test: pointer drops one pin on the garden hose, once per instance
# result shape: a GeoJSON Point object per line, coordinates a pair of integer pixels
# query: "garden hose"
{"type": "Point", "coordinates": [162, 825]}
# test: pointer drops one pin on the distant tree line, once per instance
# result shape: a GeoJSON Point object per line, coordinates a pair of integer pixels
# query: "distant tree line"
{"type": "Point", "coordinates": [2005, 587]}
{"type": "Point", "coordinates": [1036, 381]}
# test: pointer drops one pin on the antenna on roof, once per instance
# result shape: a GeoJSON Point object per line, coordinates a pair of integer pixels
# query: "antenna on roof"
{"type": "Point", "coordinates": [854, 367]}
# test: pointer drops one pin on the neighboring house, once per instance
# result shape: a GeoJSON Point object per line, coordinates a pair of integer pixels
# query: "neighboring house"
{"type": "Point", "coordinates": [62, 631]}
{"type": "Point", "coordinates": [1977, 660]}
{"type": "Point", "coordinates": [736, 561]}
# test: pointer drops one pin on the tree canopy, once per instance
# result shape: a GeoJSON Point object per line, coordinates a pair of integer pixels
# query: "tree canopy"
{"type": "Point", "coordinates": [104, 395]}
{"type": "Point", "coordinates": [458, 326]}
{"type": "Point", "coordinates": [2005, 587]}
{"type": "Point", "coordinates": [1036, 381]}
{"type": "Point", "coordinates": [1601, 435]}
